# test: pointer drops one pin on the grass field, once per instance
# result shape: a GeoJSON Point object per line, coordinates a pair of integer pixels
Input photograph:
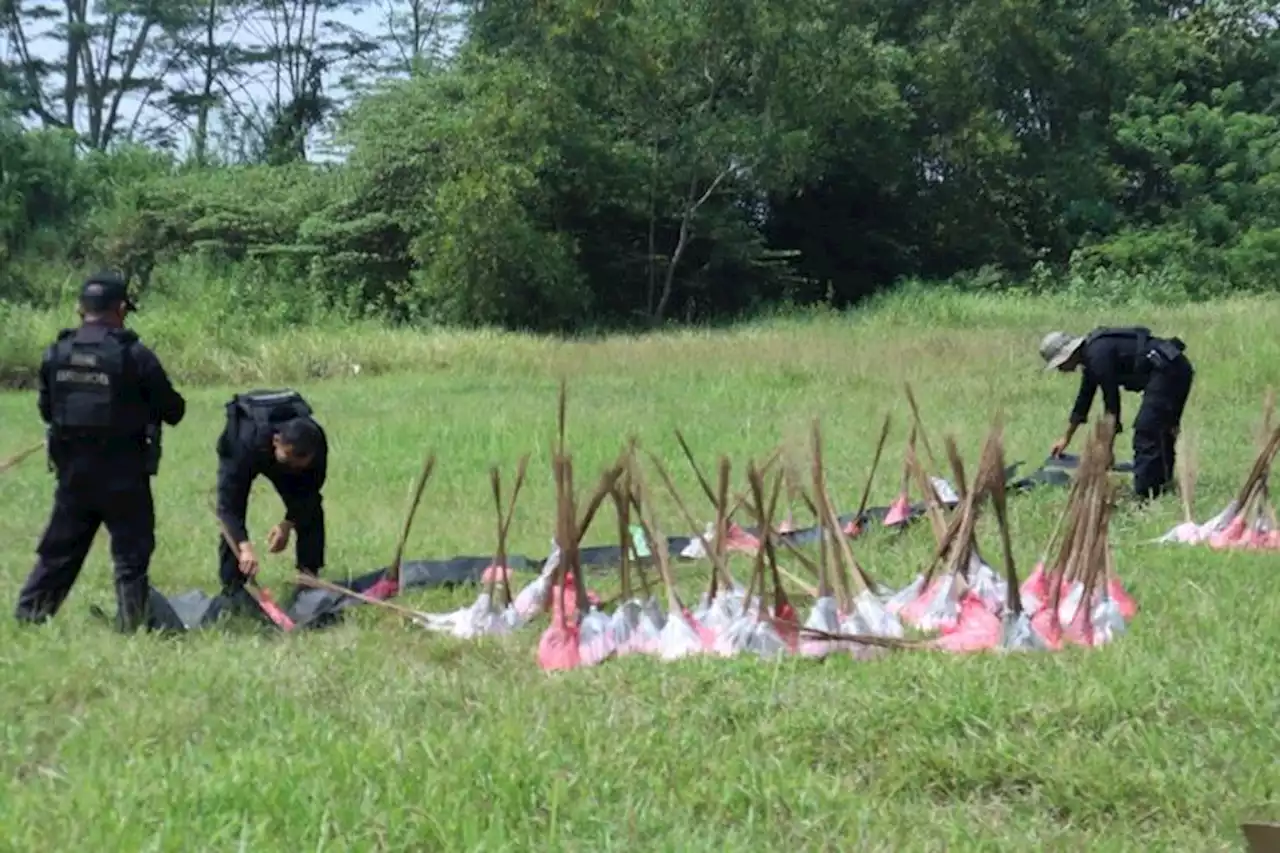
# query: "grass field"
{"type": "Point", "coordinates": [373, 736]}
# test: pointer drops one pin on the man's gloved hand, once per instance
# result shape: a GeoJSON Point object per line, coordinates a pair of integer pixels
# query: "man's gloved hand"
{"type": "Point", "coordinates": [248, 560]}
{"type": "Point", "coordinates": [278, 538]}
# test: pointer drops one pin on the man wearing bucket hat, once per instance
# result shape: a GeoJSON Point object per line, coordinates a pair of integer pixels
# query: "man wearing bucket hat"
{"type": "Point", "coordinates": [1131, 358]}
{"type": "Point", "coordinates": [103, 395]}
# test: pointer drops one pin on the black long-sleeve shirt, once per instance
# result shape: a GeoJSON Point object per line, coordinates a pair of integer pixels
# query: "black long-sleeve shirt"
{"type": "Point", "coordinates": [1111, 362]}
{"type": "Point", "coordinates": [244, 457]}
{"type": "Point", "coordinates": [162, 400]}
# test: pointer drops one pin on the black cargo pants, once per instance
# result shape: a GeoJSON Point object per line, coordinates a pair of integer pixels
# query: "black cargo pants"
{"type": "Point", "coordinates": [83, 501]}
{"type": "Point", "coordinates": [1155, 430]}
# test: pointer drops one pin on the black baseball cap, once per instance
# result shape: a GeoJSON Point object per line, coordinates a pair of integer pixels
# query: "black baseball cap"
{"type": "Point", "coordinates": [105, 290]}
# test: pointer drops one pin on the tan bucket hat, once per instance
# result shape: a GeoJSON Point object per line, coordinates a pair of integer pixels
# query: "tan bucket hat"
{"type": "Point", "coordinates": [1057, 347]}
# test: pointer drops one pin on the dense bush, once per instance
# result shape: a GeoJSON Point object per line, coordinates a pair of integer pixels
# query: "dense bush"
{"type": "Point", "coordinates": [584, 163]}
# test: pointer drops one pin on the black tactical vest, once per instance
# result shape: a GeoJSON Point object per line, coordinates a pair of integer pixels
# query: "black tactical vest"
{"type": "Point", "coordinates": [260, 412]}
{"type": "Point", "coordinates": [1135, 364]}
{"type": "Point", "coordinates": [89, 382]}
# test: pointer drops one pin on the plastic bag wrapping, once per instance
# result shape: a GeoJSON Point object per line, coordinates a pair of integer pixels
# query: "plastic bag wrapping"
{"type": "Point", "coordinates": [899, 511]}
{"type": "Point", "coordinates": [936, 608]}
{"type": "Point", "coordinates": [595, 641]}
{"type": "Point", "coordinates": [737, 635]}
{"type": "Point", "coordinates": [1017, 634]}
{"type": "Point", "coordinates": [823, 617]}
{"type": "Point", "coordinates": [765, 640]}
{"type": "Point", "coordinates": [624, 626]}
{"type": "Point", "coordinates": [882, 592]}
{"type": "Point", "coordinates": [532, 600]}
{"type": "Point", "coordinates": [1260, 534]}
{"type": "Point", "coordinates": [479, 618]}
{"type": "Point", "coordinates": [647, 639]}
{"type": "Point", "coordinates": [1220, 521]}
{"type": "Point", "coordinates": [975, 629]}
{"type": "Point", "coordinates": [1186, 533]}
{"type": "Point", "coordinates": [717, 618]}
{"type": "Point", "coordinates": [870, 616]}
{"type": "Point", "coordinates": [558, 646]}
{"type": "Point", "coordinates": [736, 539]}
{"type": "Point", "coordinates": [1047, 627]}
{"type": "Point", "coordinates": [694, 550]}
{"type": "Point", "coordinates": [446, 622]}
{"type": "Point", "coordinates": [700, 609]}
{"type": "Point", "coordinates": [1231, 535]}
{"type": "Point", "coordinates": [991, 589]}
{"type": "Point", "coordinates": [678, 638]}
{"type": "Point", "coordinates": [1125, 602]}
{"type": "Point", "coordinates": [900, 599]}
{"type": "Point", "coordinates": [1081, 630]}
{"type": "Point", "coordinates": [735, 638]}
{"type": "Point", "coordinates": [1108, 621]}
{"type": "Point", "coordinates": [1069, 604]}
{"type": "Point", "coordinates": [946, 493]}
{"type": "Point", "coordinates": [1034, 591]}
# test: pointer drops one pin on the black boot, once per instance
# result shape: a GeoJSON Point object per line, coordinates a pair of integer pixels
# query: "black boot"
{"type": "Point", "coordinates": [133, 600]}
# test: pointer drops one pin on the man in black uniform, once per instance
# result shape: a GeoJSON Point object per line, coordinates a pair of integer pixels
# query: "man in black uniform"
{"type": "Point", "coordinates": [103, 395]}
{"type": "Point", "coordinates": [1133, 359]}
{"type": "Point", "coordinates": [273, 434]}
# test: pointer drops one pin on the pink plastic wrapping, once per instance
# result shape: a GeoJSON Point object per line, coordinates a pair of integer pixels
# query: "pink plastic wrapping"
{"type": "Point", "coordinates": [936, 608]}
{"type": "Point", "coordinates": [274, 612]}
{"type": "Point", "coordinates": [385, 588]}
{"type": "Point", "coordinates": [1124, 602]}
{"type": "Point", "coordinates": [741, 541]}
{"type": "Point", "coordinates": [1035, 590]}
{"type": "Point", "coordinates": [1048, 628]}
{"type": "Point", "coordinates": [899, 511]}
{"type": "Point", "coordinates": [975, 629]}
{"type": "Point", "coordinates": [1231, 535]}
{"type": "Point", "coordinates": [558, 647]}
{"type": "Point", "coordinates": [900, 599]}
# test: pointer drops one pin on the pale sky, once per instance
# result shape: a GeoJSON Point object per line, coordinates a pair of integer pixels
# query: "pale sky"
{"type": "Point", "coordinates": [369, 19]}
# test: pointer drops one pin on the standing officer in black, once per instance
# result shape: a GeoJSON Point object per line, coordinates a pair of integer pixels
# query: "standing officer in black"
{"type": "Point", "coordinates": [103, 395]}
{"type": "Point", "coordinates": [1129, 358]}
{"type": "Point", "coordinates": [272, 434]}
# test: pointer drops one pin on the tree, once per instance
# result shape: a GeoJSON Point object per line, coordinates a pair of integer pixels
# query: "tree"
{"type": "Point", "coordinates": [93, 69]}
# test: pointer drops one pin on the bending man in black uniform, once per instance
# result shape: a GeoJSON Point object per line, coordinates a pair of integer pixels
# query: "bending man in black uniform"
{"type": "Point", "coordinates": [1129, 358]}
{"type": "Point", "coordinates": [271, 433]}
{"type": "Point", "coordinates": [103, 395]}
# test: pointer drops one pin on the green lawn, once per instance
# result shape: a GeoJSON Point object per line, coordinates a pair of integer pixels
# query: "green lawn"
{"type": "Point", "coordinates": [374, 736]}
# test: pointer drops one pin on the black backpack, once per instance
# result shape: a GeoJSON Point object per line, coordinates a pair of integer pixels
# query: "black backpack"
{"type": "Point", "coordinates": [265, 410]}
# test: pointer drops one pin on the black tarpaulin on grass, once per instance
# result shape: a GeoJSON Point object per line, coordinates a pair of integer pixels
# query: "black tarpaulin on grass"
{"type": "Point", "coordinates": [317, 608]}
